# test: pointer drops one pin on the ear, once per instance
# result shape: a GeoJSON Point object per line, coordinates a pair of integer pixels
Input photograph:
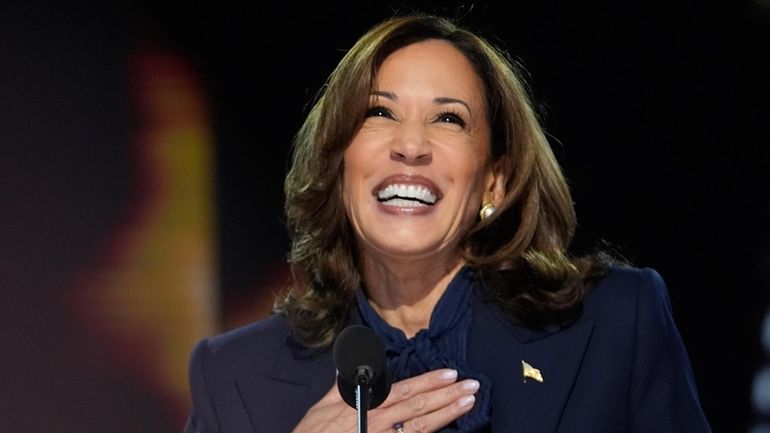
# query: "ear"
{"type": "Point", "coordinates": [495, 183]}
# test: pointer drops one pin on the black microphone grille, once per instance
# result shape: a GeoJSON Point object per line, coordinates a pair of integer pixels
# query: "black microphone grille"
{"type": "Point", "coordinates": [358, 350]}
{"type": "Point", "coordinates": [358, 346]}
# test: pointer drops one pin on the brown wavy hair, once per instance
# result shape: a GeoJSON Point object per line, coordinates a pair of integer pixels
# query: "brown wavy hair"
{"type": "Point", "coordinates": [520, 251]}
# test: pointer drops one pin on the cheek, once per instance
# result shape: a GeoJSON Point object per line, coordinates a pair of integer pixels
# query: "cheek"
{"type": "Point", "coordinates": [352, 176]}
{"type": "Point", "coordinates": [346, 187]}
{"type": "Point", "coordinates": [470, 170]}
{"type": "Point", "coordinates": [354, 158]}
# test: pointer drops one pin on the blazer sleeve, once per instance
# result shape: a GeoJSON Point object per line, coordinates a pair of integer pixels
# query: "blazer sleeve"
{"type": "Point", "coordinates": [663, 396]}
{"type": "Point", "coordinates": [202, 417]}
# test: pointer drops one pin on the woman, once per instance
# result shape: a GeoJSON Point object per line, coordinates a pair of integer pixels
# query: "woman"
{"type": "Point", "coordinates": [425, 203]}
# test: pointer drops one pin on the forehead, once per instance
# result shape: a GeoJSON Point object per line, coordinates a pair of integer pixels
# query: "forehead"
{"type": "Point", "coordinates": [432, 66]}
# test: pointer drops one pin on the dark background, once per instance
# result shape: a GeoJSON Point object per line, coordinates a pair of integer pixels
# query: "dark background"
{"type": "Point", "coordinates": [657, 111]}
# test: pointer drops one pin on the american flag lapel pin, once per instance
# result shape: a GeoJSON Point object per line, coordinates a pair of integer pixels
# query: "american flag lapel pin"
{"type": "Point", "coordinates": [530, 372]}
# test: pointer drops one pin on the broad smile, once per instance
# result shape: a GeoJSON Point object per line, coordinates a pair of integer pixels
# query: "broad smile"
{"type": "Point", "coordinates": [407, 191]}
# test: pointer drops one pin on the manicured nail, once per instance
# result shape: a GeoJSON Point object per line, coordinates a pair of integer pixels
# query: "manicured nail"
{"type": "Point", "coordinates": [449, 375]}
{"type": "Point", "coordinates": [466, 401]}
{"type": "Point", "coordinates": [471, 385]}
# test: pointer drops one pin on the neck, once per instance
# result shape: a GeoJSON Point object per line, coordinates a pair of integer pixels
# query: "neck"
{"type": "Point", "coordinates": [405, 292]}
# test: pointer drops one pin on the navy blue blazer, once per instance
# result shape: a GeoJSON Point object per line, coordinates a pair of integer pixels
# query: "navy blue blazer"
{"type": "Point", "coordinates": [621, 367]}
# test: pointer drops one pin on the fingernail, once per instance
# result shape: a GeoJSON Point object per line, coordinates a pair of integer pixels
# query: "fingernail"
{"type": "Point", "coordinates": [466, 401]}
{"type": "Point", "coordinates": [471, 385]}
{"type": "Point", "coordinates": [449, 375]}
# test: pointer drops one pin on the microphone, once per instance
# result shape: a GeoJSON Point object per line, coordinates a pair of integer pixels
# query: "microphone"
{"type": "Point", "coordinates": [362, 372]}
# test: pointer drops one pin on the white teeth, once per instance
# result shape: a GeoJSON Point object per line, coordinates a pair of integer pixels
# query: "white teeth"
{"type": "Point", "coordinates": [407, 193]}
{"type": "Point", "coordinates": [400, 202]}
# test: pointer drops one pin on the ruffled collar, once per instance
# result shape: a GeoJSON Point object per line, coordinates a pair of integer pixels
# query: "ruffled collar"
{"type": "Point", "coordinates": [442, 345]}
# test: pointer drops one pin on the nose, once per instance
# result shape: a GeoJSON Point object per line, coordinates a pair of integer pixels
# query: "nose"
{"type": "Point", "coordinates": [411, 146]}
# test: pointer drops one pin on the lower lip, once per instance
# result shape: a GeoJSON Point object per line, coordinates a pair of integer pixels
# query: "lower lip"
{"type": "Point", "coordinates": [405, 210]}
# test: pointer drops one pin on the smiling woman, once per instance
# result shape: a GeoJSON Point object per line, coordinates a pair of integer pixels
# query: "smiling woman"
{"type": "Point", "coordinates": [414, 175]}
{"type": "Point", "coordinates": [424, 202]}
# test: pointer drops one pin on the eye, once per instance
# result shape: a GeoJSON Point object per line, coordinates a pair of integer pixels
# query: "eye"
{"type": "Point", "coordinates": [451, 117]}
{"type": "Point", "coordinates": [379, 111]}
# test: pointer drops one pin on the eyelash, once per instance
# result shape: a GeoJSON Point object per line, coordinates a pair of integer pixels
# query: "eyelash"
{"type": "Point", "coordinates": [453, 117]}
{"type": "Point", "coordinates": [379, 111]}
{"type": "Point", "coordinates": [445, 117]}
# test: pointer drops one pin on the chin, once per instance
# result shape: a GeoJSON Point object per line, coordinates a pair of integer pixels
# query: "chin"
{"type": "Point", "coordinates": [408, 247]}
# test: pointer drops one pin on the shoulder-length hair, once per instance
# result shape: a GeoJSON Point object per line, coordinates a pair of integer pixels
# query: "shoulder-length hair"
{"type": "Point", "coordinates": [521, 250]}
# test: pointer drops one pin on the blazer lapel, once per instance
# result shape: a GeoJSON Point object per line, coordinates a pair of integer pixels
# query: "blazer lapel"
{"type": "Point", "coordinates": [538, 405]}
{"type": "Point", "coordinates": [524, 403]}
{"type": "Point", "coordinates": [277, 402]}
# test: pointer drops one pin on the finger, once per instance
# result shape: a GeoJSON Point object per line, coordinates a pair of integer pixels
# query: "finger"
{"type": "Point", "coordinates": [431, 409]}
{"type": "Point", "coordinates": [434, 400]}
{"type": "Point", "coordinates": [433, 421]}
{"type": "Point", "coordinates": [412, 386]}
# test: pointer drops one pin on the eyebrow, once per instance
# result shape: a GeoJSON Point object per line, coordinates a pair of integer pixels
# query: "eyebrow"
{"type": "Point", "coordinates": [441, 100]}
{"type": "Point", "coordinates": [445, 100]}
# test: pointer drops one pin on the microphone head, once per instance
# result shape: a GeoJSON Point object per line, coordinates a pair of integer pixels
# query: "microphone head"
{"type": "Point", "coordinates": [358, 346]}
{"type": "Point", "coordinates": [359, 355]}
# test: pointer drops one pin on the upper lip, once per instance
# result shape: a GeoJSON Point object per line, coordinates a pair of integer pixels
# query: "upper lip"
{"type": "Point", "coordinates": [405, 179]}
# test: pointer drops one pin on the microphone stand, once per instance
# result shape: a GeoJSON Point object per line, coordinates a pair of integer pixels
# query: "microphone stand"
{"type": "Point", "coordinates": [362, 396]}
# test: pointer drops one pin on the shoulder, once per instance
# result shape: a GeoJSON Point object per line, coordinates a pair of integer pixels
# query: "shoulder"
{"type": "Point", "coordinates": [632, 304]}
{"type": "Point", "coordinates": [632, 312]}
{"type": "Point", "coordinates": [272, 329]}
{"type": "Point", "coordinates": [255, 346]}
{"type": "Point", "coordinates": [613, 304]}
{"type": "Point", "coordinates": [250, 373]}
{"type": "Point", "coordinates": [624, 289]}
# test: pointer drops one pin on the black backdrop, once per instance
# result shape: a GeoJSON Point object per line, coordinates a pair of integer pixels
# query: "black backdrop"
{"type": "Point", "coordinates": [657, 111]}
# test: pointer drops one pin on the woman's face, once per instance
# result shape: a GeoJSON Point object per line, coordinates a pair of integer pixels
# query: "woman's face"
{"type": "Point", "coordinates": [417, 171]}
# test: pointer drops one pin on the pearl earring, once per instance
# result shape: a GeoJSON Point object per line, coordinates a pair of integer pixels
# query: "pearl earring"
{"type": "Point", "coordinates": [487, 210]}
